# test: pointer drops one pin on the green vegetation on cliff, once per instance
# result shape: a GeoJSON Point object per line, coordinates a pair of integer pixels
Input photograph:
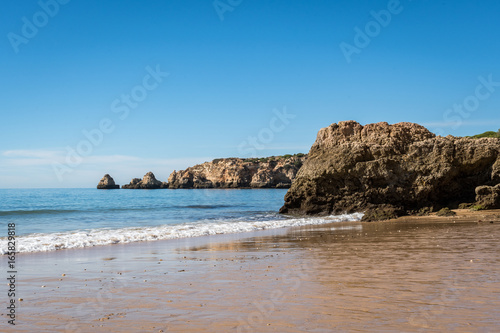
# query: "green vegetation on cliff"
{"type": "Point", "coordinates": [488, 134]}
{"type": "Point", "coordinates": [274, 158]}
{"type": "Point", "coordinates": [265, 159]}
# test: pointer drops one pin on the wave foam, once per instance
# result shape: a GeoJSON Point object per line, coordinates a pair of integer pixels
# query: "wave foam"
{"type": "Point", "coordinates": [80, 239]}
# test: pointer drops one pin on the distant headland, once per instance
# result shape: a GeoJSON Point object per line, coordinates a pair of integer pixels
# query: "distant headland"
{"type": "Point", "coordinates": [268, 172]}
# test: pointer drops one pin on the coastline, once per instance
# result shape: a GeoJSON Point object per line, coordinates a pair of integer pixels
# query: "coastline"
{"type": "Point", "coordinates": [462, 215]}
{"type": "Point", "coordinates": [409, 274]}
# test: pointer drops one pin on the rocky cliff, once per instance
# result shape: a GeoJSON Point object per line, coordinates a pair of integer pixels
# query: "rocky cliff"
{"type": "Point", "coordinates": [107, 183]}
{"type": "Point", "coordinates": [387, 170]}
{"type": "Point", "coordinates": [148, 182]}
{"type": "Point", "coordinates": [270, 172]}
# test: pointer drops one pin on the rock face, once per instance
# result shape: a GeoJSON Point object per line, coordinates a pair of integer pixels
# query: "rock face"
{"type": "Point", "coordinates": [271, 172]}
{"type": "Point", "coordinates": [397, 169]}
{"type": "Point", "coordinates": [107, 183]}
{"type": "Point", "coordinates": [148, 182]}
{"type": "Point", "coordinates": [488, 197]}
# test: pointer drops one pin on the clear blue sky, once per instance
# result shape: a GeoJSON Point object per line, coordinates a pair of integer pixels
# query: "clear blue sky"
{"type": "Point", "coordinates": [231, 68]}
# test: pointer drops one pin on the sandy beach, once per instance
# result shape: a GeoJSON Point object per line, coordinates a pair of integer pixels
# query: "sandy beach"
{"type": "Point", "coordinates": [412, 274]}
{"type": "Point", "coordinates": [244, 166]}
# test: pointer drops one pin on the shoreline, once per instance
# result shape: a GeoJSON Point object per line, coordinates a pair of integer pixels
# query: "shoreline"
{"type": "Point", "coordinates": [408, 274]}
{"type": "Point", "coordinates": [462, 216]}
{"type": "Point", "coordinates": [83, 238]}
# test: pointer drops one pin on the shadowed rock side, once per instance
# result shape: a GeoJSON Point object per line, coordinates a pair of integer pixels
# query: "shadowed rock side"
{"type": "Point", "coordinates": [488, 197]}
{"type": "Point", "coordinates": [392, 170]}
{"type": "Point", "coordinates": [107, 183]}
{"type": "Point", "coordinates": [148, 182]}
{"type": "Point", "coordinates": [271, 172]}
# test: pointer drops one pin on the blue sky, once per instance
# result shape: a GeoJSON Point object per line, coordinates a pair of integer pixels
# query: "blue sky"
{"type": "Point", "coordinates": [162, 85]}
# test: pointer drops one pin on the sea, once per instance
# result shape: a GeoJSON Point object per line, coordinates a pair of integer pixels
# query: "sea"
{"type": "Point", "coordinates": [56, 219]}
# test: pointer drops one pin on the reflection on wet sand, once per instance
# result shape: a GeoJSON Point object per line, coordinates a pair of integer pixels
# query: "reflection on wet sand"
{"type": "Point", "coordinates": [414, 275]}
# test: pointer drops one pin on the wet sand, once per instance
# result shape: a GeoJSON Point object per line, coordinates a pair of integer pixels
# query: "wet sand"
{"type": "Point", "coordinates": [412, 274]}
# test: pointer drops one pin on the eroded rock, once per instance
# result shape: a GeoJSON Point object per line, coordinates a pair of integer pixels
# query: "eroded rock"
{"type": "Point", "coordinates": [107, 183]}
{"type": "Point", "coordinates": [355, 168]}
{"type": "Point", "coordinates": [148, 182]}
{"type": "Point", "coordinates": [271, 172]}
{"type": "Point", "coordinates": [488, 197]}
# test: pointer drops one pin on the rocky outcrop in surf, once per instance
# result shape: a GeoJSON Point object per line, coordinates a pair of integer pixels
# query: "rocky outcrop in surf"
{"type": "Point", "coordinates": [107, 183]}
{"type": "Point", "coordinates": [391, 170]}
{"type": "Point", "coordinates": [488, 197]}
{"type": "Point", "coordinates": [148, 182]}
{"type": "Point", "coordinates": [270, 172]}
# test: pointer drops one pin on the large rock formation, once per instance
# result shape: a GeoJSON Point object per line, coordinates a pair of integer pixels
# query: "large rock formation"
{"type": "Point", "coordinates": [107, 183]}
{"type": "Point", "coordinates": [270, 172]}
{"type": "Point", "coordinates": [391, 170]}
{"type": "Point", "coordinates": [148, 182]}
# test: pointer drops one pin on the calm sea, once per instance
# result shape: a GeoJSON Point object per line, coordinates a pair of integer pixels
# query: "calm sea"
{"type": "Point", "coordinates": [52, 219]}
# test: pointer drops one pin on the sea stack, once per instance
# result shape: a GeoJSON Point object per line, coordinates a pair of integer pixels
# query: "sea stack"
{"type": "Point", "coordinates": [107, 183]}
{"type": "Point", "coordinates": [148, 182]}
{"type": "Point", "coordinates": [391, 170]}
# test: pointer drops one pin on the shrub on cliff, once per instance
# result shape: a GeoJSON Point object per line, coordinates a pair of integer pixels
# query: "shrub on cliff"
{"type": "Point", "coordinates": [488, 134]}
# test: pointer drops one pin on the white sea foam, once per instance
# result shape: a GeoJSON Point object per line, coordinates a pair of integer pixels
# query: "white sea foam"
{"type": "Point", "coordinates": [79, 239]}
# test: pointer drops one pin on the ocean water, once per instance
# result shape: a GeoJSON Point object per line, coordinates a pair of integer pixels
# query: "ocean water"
{"type": "Point", "coordinates": [53, 219]}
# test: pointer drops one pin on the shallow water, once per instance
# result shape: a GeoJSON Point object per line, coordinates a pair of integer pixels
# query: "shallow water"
{"type": "Point", "coordinates": [54, 219]}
